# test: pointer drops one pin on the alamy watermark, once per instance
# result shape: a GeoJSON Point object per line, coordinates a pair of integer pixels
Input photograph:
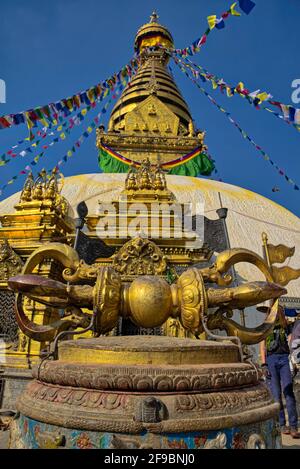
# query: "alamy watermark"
{"type": "Point", "coordinates": [2, 92]}
{"type": "Point", "coordinates": [296, 93]}
{"type": "Point", "coordinates": [155, 220]}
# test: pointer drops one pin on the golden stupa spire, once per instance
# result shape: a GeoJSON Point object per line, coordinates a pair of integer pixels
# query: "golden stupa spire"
{"type": "Point", "coordinates": [153, 77]}
{"type": "Point", "coordinates": [151, 118]}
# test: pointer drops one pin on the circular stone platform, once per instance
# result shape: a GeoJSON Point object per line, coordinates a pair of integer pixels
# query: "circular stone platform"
{"type": "Point", "coordinates": [147, 350]}
{"type": "Point", "coordinates": [146, 392]}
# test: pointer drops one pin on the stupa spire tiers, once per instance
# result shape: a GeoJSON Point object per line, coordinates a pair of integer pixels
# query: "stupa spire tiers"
{"type": "Point", "coordinates": [151, 118]}
{"type": "Point", "coordinates": [152, 34]}
{"type": "Point", "coordinates": [152, 78]}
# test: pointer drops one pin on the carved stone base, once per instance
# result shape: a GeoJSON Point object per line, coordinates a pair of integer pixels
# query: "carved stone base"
{"type": "Point", "coordinates": [175, 395]}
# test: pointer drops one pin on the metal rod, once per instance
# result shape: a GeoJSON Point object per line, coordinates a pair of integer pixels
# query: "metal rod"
{"type": "Point", "coordinates": [72, 333]}
{"type": "Point", "coordinates": [220, 338]}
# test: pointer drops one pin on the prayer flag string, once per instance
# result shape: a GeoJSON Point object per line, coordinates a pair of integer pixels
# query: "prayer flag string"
{"type": "Point", "coordinates": [71, 151]}
{"type": "Point", "coordinates": [246, 6]}
{"type": "Point", "coordinates": [63, 129]}
{"type": "Point", "coordinates": [257, 98]}
{"type": "Point", "coordinates": [48, 113]}
{"type": "Point", "coordinates": [243, 133]}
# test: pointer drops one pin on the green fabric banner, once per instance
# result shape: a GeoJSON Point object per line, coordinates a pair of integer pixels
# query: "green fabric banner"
{"type": "Point", "coordinates": [200, 165]}
{"type": "Point", "coordinates": [108, 164]}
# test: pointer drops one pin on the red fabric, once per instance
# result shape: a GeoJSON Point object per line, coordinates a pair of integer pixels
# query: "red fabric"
{"type": "Point", "coordinates": [225, 15]}
{"type": "Point", "coordinates": [4, 123]}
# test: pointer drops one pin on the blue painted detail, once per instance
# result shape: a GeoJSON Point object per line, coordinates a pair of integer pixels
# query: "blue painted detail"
{"type": "Point", "coordinates": [262, 434]}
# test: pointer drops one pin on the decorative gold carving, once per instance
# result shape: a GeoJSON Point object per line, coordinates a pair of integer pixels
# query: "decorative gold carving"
{"type": "Point", "coordinates": [284, 275]}
{"type": "Point", "coordinates": [27, 192]}
{"type": "Point", "coordinates": [217, 273]}
{"type": "Point", "coordinates": [278, 254]}
{"type": "Point", "coordinates": [249, 336]}
{"type": "Point", "coordinates": [180, 143]}
{"type": "Point", "coordinates": [107, 297]}
{"type": "Point", "coordinates": [193, 300]}
{"type": "Point", "coordinates": [45, 188]}
{"type": "Point", "coordinates": [160, 147]}
{"type": "Point", "coordinates": [145, 180]}
{"type": "Point", "coordinates": [160, 182]}
{"type": "Point", "coordinates": [82, 271]}
{"type": "Point", "coordinates": [149, 109]}
{"type": "Point", "coordinates": [140, 257]}
{"type": "Point", "coordinates": [173, 327]}
{"type": "Point", "coordinates": [10, 263]}
{"type": "Point", "coordinates": [148, 183]}
{"type": "Point", "coordinates": [131, 183]}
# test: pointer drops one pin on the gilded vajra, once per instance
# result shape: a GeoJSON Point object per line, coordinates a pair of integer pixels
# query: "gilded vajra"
{"type": "Point", "coordinates": [148, 299]}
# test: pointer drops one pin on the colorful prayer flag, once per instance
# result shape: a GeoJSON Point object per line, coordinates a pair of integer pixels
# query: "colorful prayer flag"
{"type": "Point", "coordinates": [211, 21]}
{"type": "Point", "coordinates": [246, 6]}
{"type": "Point", "coordinates": [220, 23]}
{"type": "Point", "coordinates": [233, 11]}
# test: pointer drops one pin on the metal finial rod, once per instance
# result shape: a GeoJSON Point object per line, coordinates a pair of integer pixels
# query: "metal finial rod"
{"type": "Point", "coordinates": [154, 17]}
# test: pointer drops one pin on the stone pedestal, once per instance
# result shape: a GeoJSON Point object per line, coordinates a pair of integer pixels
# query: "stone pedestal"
{"type": "Point", "coordinates": [146, 392]}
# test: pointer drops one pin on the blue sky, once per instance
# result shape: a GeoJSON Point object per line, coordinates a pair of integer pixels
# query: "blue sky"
{"type": "Point", "coordinates": [52, 49]}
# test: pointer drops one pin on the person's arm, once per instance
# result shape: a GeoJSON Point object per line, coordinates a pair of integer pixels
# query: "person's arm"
{"type": "Point", "coordinates": [289, 332]}
{"type": "Point", "coordinates": [262, 352]}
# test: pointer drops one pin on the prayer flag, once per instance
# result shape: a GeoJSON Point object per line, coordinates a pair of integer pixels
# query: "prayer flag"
{"type": "Point", "coordinates": [220, 24]}
{"type": "Point", "coordinates": [202, 40]}
{"type": "Point", "coordinates": [263, 96]}
{"type": "Point", "coordinates": [18, 118]}
{"type": "Point", "coordinates": [211, 21]}
{"type": "Point", "coordinates": [246, 6]}
{"type": "Point", "coordinates": [233, 11]}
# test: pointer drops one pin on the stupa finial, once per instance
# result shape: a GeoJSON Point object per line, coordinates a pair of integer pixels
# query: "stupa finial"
{"type": "Point", "coordinates": [154, 17]}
